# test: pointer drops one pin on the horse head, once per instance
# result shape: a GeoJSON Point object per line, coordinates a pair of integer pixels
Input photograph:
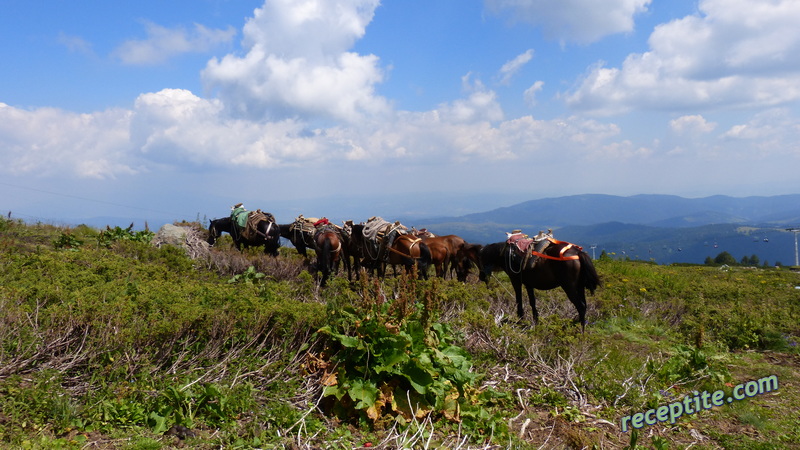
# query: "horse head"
{"type": "Point", "coordinates": [213, 232]}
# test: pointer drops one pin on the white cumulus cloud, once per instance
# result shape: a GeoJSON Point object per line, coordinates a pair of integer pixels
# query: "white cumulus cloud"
{"type": "Point", "coordinates": [50, 141]}
{"type": "Point", "coordinates": [735, 53]}
{"type": "Point", "coordinates": [298, 63]}
{"type": "Point", "coordinates": [480, 105]}
{"type": "Point", "coordinates": [691, 124]}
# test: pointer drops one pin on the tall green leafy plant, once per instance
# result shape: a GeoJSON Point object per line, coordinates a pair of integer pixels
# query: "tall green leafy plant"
{"type": "Point", "coordinates": [390, 359]}
{"type": "Point", "coordinates": [111, 235]}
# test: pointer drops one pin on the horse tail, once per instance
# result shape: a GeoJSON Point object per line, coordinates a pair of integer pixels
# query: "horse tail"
{"type": "Point", "coordinates": [424, 257]}
{"type": "Point", "coordinates": [588, 273]}
{"type": "Point", "coordinates": [326, 257]}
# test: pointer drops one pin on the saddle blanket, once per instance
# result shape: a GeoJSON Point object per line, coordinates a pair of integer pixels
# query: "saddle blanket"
{"type": "Point", "coordinates": [522, 242]}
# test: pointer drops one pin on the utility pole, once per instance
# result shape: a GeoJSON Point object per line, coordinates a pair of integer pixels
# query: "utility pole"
{"type": "Point", "coordinates": [795, 230]}
{"type": "Point", "coordinates": [594, 246]}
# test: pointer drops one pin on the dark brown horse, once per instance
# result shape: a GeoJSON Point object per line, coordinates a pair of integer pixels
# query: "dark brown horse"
{"type": "Point", "coordinates": [561, 264]}
{"type": "Point", "coordinates": [352, 235]}
{"type": "Point", "coordinates": [409, 251]}
{"type": "Point", "coordinates": [469, 255]}
{"type": "Point", "coordinates": [329, 249]}
{"type": "Point", "coordinates": [267, 234]}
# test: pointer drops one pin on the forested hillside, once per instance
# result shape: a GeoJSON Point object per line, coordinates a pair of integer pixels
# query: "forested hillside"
{"type": "Point", "coordinates": [661, 228]}
{"type": "Point", "coordinates": [110, 341]}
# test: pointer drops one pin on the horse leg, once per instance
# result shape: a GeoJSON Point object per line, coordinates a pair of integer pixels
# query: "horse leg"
{"type": "Point", "coordinates": [324, 261]}
{"type": "Point", "coordinates": [532, 300]}
{"type": "Point", "coordinates": [516, 283]}
{"type": "Point", "coordinates": [577, 295]}
{"type": "Point", "coordinates": [356, 264]}
{"type": "Point", "coordinates": [345, 257]}
{"type": "Point", "coordinates": [448, 265]}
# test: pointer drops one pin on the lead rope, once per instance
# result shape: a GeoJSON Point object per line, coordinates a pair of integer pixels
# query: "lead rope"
{"type": "Point", "coordinates": [521, 264]}
{"type": "Point", "coordinates": [367, 249]}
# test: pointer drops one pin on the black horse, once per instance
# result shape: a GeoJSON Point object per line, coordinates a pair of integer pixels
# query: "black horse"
{"type": "Point", "coordinates": [267, 234]}
{"type": "Point", "coordinates": [560, 265]}
{"type": "Point", "coordinates": [301, 240]}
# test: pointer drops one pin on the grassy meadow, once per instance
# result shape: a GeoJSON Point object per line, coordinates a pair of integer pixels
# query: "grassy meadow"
{"type": "Point", "coordinates": [110, 342]}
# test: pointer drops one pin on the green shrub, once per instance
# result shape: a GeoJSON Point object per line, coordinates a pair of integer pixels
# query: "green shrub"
{"type": "Point", "coordinates": [111, 235]}
{"type": "Point", "coordinates": [391, 359]}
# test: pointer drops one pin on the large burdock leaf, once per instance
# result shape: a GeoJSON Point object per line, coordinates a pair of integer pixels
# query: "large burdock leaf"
{"type": "Point", "coordinates": [451, 408]}
{"type": "Point", "coordinates": [345, 340]}
{"type": "Point", "coordinates": [419, 378]}
{"type": "Point", "coordinates": [456, 365]}
{"type": "Point", "coordinates": [364, 393]}
{"type": "Point", "coordinates": [389, 359]}
{"type": "Point", "coordinates": [410, 405]}
{"type": "Point", "coordinates": [385, 397]}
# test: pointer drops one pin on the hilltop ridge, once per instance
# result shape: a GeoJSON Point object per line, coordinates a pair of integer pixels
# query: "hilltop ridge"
{"type": "Point", "coordinates": [664, 228]}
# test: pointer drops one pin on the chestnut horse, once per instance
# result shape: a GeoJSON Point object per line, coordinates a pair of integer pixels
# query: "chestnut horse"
{"type": "Point", "coordinates": [561, 264]}
{"type": "Point", "coordinates": [439, 256]}
{"type": "Point", "coordinates": [445, 252]}
{"type": "Point", "coordinates": [267, 234]}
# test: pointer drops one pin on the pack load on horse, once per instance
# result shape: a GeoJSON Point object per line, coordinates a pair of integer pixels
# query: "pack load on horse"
{"type": "Point", "coordinates": [422, 232]}
{"type": "Point", "coordinates": [390, 242]}
{"type": "Point", "coordinates": [300, 233]}
{"type": "Point", "coordinates": [248, 221]}
{"type": "Point", "coordinates": [379, 234]}
{"type": "Point", "coordinates": [541, 263]}
{"type": "Point", "coordinates": [248, 228]}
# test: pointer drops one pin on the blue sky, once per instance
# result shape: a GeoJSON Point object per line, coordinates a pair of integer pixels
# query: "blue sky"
{"type": "Point", "coordinates": [176, 110]}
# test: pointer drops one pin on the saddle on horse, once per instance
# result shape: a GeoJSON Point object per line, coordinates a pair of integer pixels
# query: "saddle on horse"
{"type": "Point", "coordinates": [247, 221]}
{"type": "Point", "coordinates": [524, 247]}
{"type": "Point", "coordinates": [303, 229]}
{"type": "Point", "coordinates": [324, 225]}
{"type": "Point", "coordinates": [303, 224]}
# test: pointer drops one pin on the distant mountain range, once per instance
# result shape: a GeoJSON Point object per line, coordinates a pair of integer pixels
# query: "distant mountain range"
{"type": "Point", "coordinates": [663, 228]}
